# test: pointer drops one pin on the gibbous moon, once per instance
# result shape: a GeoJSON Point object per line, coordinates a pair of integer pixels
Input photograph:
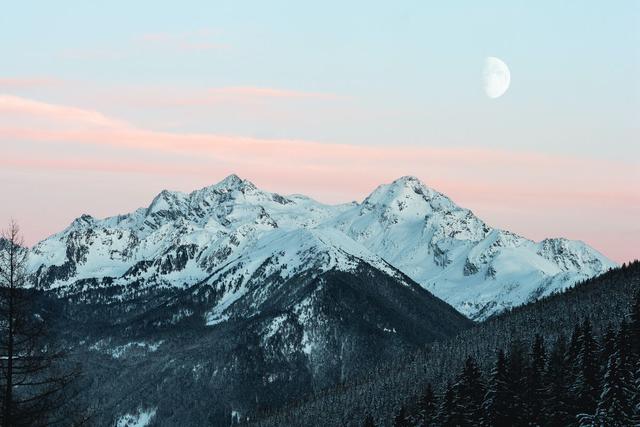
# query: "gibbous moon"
{"type": "Point", "coordinates": [495, 77]}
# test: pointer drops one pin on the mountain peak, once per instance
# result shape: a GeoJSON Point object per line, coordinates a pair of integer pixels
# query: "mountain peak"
{"type": "Point", "coordinates": [408, 180]}
{"type": "Point", "coordinates": [416, 229]}
{"type": "Point", "coordinates": [412, 184]}
{"type": "Point", "coordinates": [229, 184]}
{"type": "Point", "coordinates": [165, 201]}
{"type": "Point", "coordinates": [407, 188]}
{"type": "Point", "coordinates": [234, 182]}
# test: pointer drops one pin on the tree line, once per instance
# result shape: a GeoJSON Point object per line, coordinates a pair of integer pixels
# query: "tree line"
{"type": "Point", "coordinates": [379, 394]}
{"type": "Point", "coordinates": [582, 380]}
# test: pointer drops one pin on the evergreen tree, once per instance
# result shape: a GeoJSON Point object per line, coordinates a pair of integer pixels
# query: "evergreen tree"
{"type": "Point", "coordinates": [517, 384]}
{"type": "Point", "coordinates": [625, 359]}
{"type": "Point", "coordinates": [633, 357]}
{"type": "Point", "coordinates": [634, 326]}
{"type": "Point", "coordinates": [427, 408]}
{"type": "Point", "coordinates": [586, 386]}
{"type": "Point", "coordinates": [446, 413]}
{"type": "Point", "coordinates": [574, 344]}
{"type": "Point", "coordinates": [368, 421]}
{"type": "Point", "coordinates": [613, 409]}
{"type": "Point", "coordinates": [535, 397]}
{"type": "Point", "coordinates": [557, 400]}
{"type": "Point", "coordinates": [496, 401]}
{"type": "Point", "coordinates": [469, 394]}
{"type": "Point", "coordinates": [608, 346]}
{"type": "Point", "coordinates": [635, 394]}
{"type": "Point", "coordinates": [400, 420]}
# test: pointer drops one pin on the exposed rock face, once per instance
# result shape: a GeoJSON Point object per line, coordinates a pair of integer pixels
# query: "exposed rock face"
{"type": "Point", "coordinates": [183, 239]}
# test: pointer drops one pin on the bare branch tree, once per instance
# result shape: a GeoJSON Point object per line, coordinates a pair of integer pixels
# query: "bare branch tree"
{"type": "Point", "coordinates": [35, 385]}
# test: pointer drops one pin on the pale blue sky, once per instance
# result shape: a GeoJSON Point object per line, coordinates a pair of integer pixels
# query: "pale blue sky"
{"type": "Point", "coordinates": [329, 99]}
{"type": "Point", "coordinates": [408, 71]}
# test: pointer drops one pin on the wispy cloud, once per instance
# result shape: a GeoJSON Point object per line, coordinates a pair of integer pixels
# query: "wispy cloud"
{"type": "Point", "coordinates": [74, 117]}
{"type": "Point", "coordinates": [11, 83]}
{"type": "Point", "coordinates": [495, 180]}
{"type": "Point", "coordinates": [524, 171]}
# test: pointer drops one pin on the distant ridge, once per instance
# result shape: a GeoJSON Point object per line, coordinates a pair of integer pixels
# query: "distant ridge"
{"type": "Point", "coordinates": [180, 239]}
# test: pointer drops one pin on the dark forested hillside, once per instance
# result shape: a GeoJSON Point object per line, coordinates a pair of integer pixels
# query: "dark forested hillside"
{"type": "Point", "coordinates": [154, 353]}
{"type": "Point", "coordinates": [574, 333]}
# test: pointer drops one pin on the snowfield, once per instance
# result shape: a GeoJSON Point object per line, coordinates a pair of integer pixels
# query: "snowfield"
{"type": "Point", "coordinates": [142, 418]}
{"type": "Point", "coordinates": [231, 234]}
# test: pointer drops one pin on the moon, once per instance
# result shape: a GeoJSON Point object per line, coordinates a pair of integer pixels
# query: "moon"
{"type": "Point", "coordinates": [495, 77]}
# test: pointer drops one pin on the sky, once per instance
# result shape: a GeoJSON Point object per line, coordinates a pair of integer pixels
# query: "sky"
{"type": "Point", "coordinates": [104, 105]}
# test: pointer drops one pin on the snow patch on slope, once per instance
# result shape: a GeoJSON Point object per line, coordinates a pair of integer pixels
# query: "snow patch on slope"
{"type": "Point", "coordinates": [232, 235]}
{"type": "Point", "coordinates": [142, 418]}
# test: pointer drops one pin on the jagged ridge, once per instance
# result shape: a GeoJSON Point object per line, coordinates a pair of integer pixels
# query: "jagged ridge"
{"type": "Point", "coordinates": [233, 228]}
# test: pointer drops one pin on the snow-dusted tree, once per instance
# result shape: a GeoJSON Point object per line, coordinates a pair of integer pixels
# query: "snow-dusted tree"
{"type": "Point", "coordinates": [400, 420]}
{"type": "Point", "coordinates": [517, 383]}
{"type": "Point", "coordinates": [426, 411]}
{"type": "Point", "coordinates": [496, 402]}
{"type": "Point", "coordinates": [446, 412]}
{"type": "Point", "coordinates": [557, 407]}
{"type": "Point", "coordinates": [535, 396]}
{"type": "Point", "coordinates": [469, 393]}
{"type": "Point", "coordinates": [586, 387]}
{"type": "Point", "coordinates": [634, 356]}
{"type": "Point", "coordinates": [608, 345]}
{"type": "Point", "coordinates": [614, 408]}
{"type": "Point", "coordinates": [635, 394]}
{"type": "Point", "coordinates": [34, 388]}
{"type": "Point", "coordinates": [634, 326]}
{"type": "Point", "coordinates": [368, 421]}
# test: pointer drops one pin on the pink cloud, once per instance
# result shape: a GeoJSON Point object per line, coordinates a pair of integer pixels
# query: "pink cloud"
{"type": "Point", "coordinates": [73, 116]}
{"type": "Point", "coordinates": [498, 184]}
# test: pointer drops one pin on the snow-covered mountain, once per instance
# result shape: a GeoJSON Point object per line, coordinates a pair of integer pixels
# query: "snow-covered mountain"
{"type": "Point", "coordinates": [233, 235]}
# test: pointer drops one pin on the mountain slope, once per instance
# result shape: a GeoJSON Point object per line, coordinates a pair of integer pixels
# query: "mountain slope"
{"type": "Point", "coordinates": [181, 239]}
{"type": "Point", "coordinates": [285, 337]}
{"type": "Point", "coordinates": [605, 300]}
{"type": "Point", "coordinates": [447, 249]}
{"type": "Point", "coordinates": [258, 299]}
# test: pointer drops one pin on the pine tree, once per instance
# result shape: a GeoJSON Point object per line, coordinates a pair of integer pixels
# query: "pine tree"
{"type": "Point", "coordinates": [469, 394]}
{"type": "Point", "coordinates": [368, 421]}
{"type": "Point", "coordinates": [614, 409]}
{"type": "Point", "coordinates": [624, 353]}
{"type": "Point", "coordinates": [608, 346]}
{"type": "Point", "coordinates": [535, 396]}
{"type": "Point", "coordinates": [635, 394]}
{"type": "Point", "coordinates": [400, 420]}
{"type": "Point", "coordinates": [634, 326]}
{"type": "Point", "coordinates": [585, 388]}
{"type": "Point", "coordinates": [557, 404]}
{"type": "Point", "coordinates": [574, 343]}
{"type": "Point", "coordinates": [427, 408]}
{"type": "Point", "coordinates": [517, 384]}
{"type": "Point", "coordinates": [496, 401]}
{"type": "Point", "coordinates": [446, 413]}
{"type": "Point", "coordinates": [633, 357]}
